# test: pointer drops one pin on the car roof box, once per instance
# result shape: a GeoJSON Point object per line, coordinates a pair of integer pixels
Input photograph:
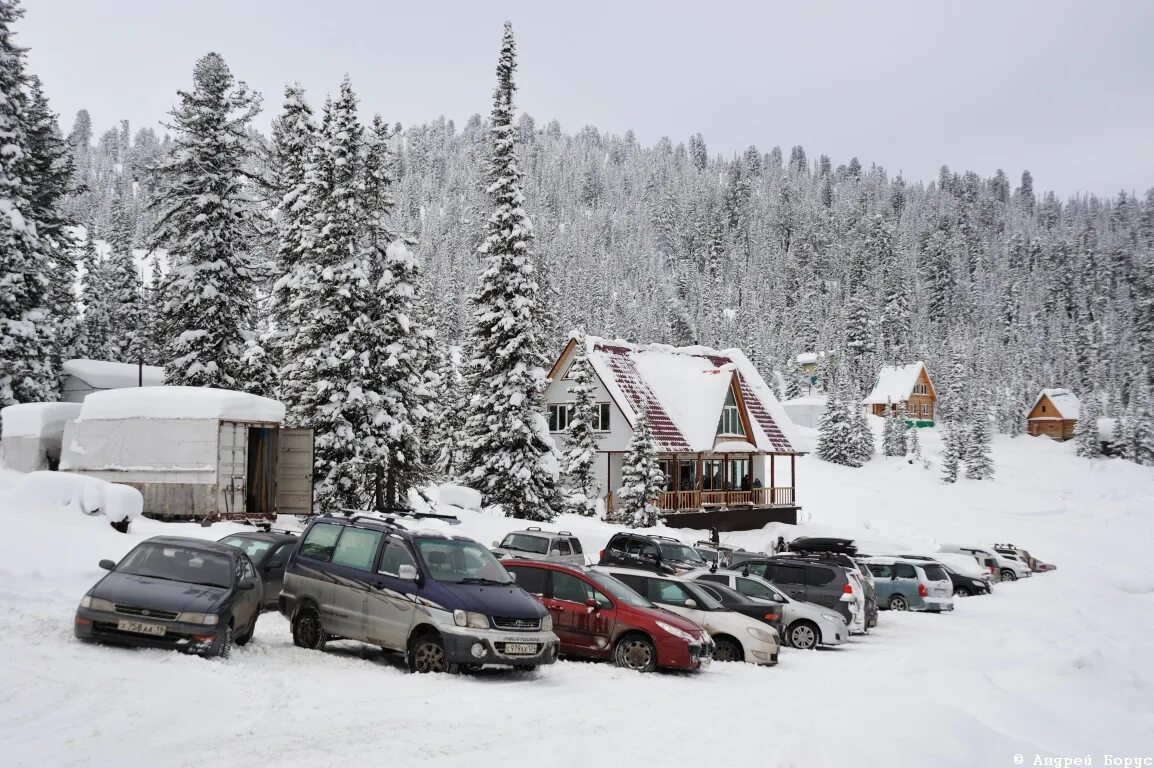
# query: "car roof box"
{"type": "Point", "coordinates": [823, 544]}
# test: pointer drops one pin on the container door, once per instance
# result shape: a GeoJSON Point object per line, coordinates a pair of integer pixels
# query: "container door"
{"type": "Point", "coordinates": [231, 469]}
{"type": "Point", "coordinates": [294, 472]}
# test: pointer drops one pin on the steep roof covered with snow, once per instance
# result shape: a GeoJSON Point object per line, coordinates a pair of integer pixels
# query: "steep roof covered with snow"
{"type": "Point", "coordinates": [682, 390]}
{"type": "Point", "coordinates": [179, 403]}
{"type": "Point", "coordinates": [104, 374]}
{"type": "Point", "coordinates": [895, 384]}
{"type": "Point", "coordinates": [1067, 403]}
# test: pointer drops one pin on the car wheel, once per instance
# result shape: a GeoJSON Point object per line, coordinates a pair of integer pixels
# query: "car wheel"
{"type": "Point", "coordinates": [898, 603]}
{"type": "Point", "coordinates": [222, 648]}
{"type": "Point", "coordinates": [962, 592]}
{"type": "Point", "coordinates": [803, 635]}
{"type": "Point", "coordinates": [428, 655]}
{"type": "Point", "coordinates": [636, 652]}
{"type": "Point", "coordinates": [727, 650]}
{"type": "Point", "coordinates": [248, 633]}
{"type": "Point", "coordinates": [1008, 575]}
{"type": "Point", "coordinates": [307, 629]}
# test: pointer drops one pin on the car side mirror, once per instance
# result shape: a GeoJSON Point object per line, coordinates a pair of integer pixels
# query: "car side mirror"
{"type": "Point", "coordinates": [512, 576]}
{"type": "Point", "coordinates": [246, 584]}
{"type": "Point", "coordinates": [591, 604]}
{"type": "Point", "coordinates": [107, 565]}
{"type": "Point", "coordinates": [893, 577]}
{"type": "Point", "coordinates": [691, 603]}
{"type": "Point", "coordinates": [496, 544]}
{"type": "Point", "coordinates": [407, 572]}
{"type": "Point", "coordinates": [554, 553]}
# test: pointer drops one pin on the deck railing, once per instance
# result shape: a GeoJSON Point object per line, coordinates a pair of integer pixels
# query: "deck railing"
{"type": "Point", "coordinates": [757, 497]}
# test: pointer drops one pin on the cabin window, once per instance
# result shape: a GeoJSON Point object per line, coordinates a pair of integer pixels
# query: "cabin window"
{"type": "Point", "coordinates": [730, 421]}
{"type": "Point", "coordinates": [921, 389]}
{"type": "Point", "coordinates": [688, 475]}
{"type": "Point", "coordinates": [1043, 409]}
{"type": "Point", "coordinates": [559, 417]}
{"type": "Point", "coordinates": [601, 417]}
{"type": "Point", "coordinates": [667, 470]}
{"type": "Point", "coordinates": [925, 409]}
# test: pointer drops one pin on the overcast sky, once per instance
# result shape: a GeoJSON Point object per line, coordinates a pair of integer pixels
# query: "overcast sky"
{"type": "Point", "coordinates": [1061, 87]}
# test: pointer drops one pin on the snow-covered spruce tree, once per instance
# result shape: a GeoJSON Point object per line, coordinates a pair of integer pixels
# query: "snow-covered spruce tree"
{"type": "Point", "coordinates": [914, 445]}
{"type": "Point", "coordinates": [894, 436]}
{"type": "Point", "coordinates": [1141, 427]}
{"type": "Point", "coordinates": [835, 438]}
{"type": "Point", "coordinates": [1088, 441]}
{"type": "Point", "coordinates": [979, 464]}
{"type": "Point", "coordinates": [27, 343]}
{"type": "Point", "coordinates": [862, 434]}
{"type": "Point", "coordinates": [580, 443]}
{"type": "Point", "coordinates": [642, 480]}
{"type": "Point", "coordinates": [509, 455]}
{"type": "Point", "coordinates": [952, 449]}
{"type": "Point", "coordinates": [449, 417]}
{"type": "Point", "coordinates": [294, 136]}
{"type": "Point", "coordinates": [208, 222]}
{"type": "Point", "coordinates": [95, 323]}
{"type": "Point", "coordinates": [125, 295]}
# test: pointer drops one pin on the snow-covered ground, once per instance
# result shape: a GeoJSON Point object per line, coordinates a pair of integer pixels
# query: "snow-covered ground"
{"type": "Point", "coordinates": [1056, 665]}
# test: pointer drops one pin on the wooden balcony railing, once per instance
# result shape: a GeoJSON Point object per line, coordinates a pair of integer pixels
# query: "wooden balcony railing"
{"type": "Point", "coordinates": [757, 497]}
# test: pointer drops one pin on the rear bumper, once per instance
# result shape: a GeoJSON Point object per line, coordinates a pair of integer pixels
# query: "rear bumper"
{"type": "Point", "coordinates": [936, 604]}
{"type": "Point", "coordinates": [102, 627]}
{"type": "Point", "coordinates": [464, 646]}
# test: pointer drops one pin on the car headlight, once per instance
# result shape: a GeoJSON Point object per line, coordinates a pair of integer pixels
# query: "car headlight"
{"type": "Point", "coordinates": [189, 617]}
{"type": "Point", "coordinates": [832, 617]}
{"type": "Point", "coordinates": [763, 635]}
{"type": "Point", "coordinates": [978, 583]}
{"type": "Point", "coordinates": [547, 623]}
{"type": "Point", "coordinates": [680, 634]}
{"type": "Point", "coordinates": [470, 619]}
{"type": "Point", "coordinates": [96, 603]}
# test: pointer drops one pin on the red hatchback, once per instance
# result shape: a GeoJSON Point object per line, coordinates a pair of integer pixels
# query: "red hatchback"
{"type": "Point", "coordinates": [597, 616]}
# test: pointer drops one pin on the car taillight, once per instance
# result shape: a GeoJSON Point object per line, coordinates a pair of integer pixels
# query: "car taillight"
{"type": "Point", "coordinates": [772, 616]}
{"type": "Point", "coordinates": [601, 555]}
{"type": "Point", "coordinates": [922, 590]}
{"type": "Point", "coordinates": [847, 589]}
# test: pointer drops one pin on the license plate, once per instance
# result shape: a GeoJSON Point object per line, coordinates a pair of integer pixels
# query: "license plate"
{"type": "Point", "coordinates": [520, 649]}
{"type": "Point", "coordinates": [704, 662]}
{"type": "Point", "coordinates": [140, 627]}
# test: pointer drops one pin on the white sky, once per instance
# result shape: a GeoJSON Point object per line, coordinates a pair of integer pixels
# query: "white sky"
{"type": "Point", "coordinates": [1061, 87]}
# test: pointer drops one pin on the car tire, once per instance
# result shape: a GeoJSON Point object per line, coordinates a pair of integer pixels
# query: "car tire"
{"type": "Point", "coordinates": [637, 652]}
{"type": "Point", "coordinates": [222, 648]}
{"type": "Point", "coordinates": [308, 632]}
{"type": "Point", "coordinates": [803, 635]}
{"type": "Point", "coordinates": [427, 654]}
{"type": "Point", "coordinates": [962, 592]}
{"type": "Point", "coordinates": [898, 603]}
{"type": "Point", "coordinates": [1008, 575]}
{"type": "Point", "coordinates": [727, 649]}
{"type": "Point", "coordinates": [248, 633]}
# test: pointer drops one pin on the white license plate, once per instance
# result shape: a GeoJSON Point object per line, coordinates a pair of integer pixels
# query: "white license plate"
{"type": "Point", "coordinates": [124, 625]}
{"type": "Point", "coordinates": [520, 649]}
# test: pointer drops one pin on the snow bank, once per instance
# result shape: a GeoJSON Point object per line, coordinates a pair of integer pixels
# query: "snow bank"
{"type": "Point", "coordinates": [51, 492]}
{"type": "Point", "coordinates": [459, 496]}
{"type": "Point", "coordinates": [37, 419]}
{"type": "Point", "coordinates": [104, 374]}
{"type": "Point", "coordinates": [180, 403]}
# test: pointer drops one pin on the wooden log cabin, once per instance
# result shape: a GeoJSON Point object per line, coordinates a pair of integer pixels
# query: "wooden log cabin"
{"type": "Point", "coordinates": [1054, 414]}
{"type": "Point", "coordinates": [905, 385]}
{"type": "Point", "coordinates": [724, 442]}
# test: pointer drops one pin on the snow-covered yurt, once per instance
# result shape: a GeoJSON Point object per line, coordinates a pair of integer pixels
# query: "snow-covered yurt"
{"type": "Point", "coordinates": [194, 452]}
{"type": "Point", "coordinates": [30, 434]}
{"type": "Point", "coordinates": [83, 377]}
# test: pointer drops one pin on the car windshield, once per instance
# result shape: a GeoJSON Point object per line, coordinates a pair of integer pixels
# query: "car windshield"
{"type": "Point", "coordinates": [174, 562]}
{"type": "Point", "coordinates": [526, 542]}
{"type": "Point", "coordinates": [674, 551]}
{"type": "Point", "coordinates": [457, 561]}
{"type": "Point", "coordinates": [254, 548]}
{"type": "Point", "coordinates": [935, 572]}
{"type": "Point", "coordinates": [620, 591]}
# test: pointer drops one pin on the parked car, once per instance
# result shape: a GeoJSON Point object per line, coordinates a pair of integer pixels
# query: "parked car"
{"type": "Point", "coordinates": [860, 579]}
{"type": "Point", "coordinates": [735, 637]}
{"type": "Point", "coordinates": [908, 585]}
{"type": "Point", "coordinates": [535, 544]}
{"type": "Point", "coordinates": [739, 556]}
{"type": "Point", "coordinates": [716, 554]}
{"type": "Point", "coordinates": [173, 592]}
{"type": "Point", "coordinates": [964, 586]}
{"type": "Point", "coordinates": [765, 611]}
{"type": "Point", "coordinates": [811, 581]}
{"type": "Point", "coordinates": [1036, 565]}
{"type": "Point", "coordinates": [806, 625]}
{"type": "Point", "coordinates": [596, 616]}
{"type": "Point", "coordinates": [1009, 568]}
{"type": "Point", "coordinates": [445, 602]}
{"type": "Point", "coordinates": [661, 554]}
{"type": "Point", "coordinates": [269, 552]}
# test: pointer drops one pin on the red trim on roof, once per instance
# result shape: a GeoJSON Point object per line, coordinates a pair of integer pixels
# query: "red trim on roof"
{"type": "Point", "coordinates": [642, 400]}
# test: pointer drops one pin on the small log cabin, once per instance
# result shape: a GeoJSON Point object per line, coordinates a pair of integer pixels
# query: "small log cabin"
{"type": "Point", "coordinates": [908, 385]}
{"type": "Point", "coordinates": [724, 442]}
{"type": "Point", "coordinates": [1055, 414]}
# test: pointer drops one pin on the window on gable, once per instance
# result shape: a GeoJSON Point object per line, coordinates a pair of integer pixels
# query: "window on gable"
{"type": "Point", "coordinates": [559, 417]}
{"type": "Point", "coordinates": [921, 389]}
{"type": "Point", "coordinates": [730, 421]}
{"type": "Point", "coordinates": [601, 417]}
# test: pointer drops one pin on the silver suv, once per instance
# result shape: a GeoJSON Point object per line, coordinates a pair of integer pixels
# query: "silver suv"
{"type": "Point", "coordinates": [536, 544]}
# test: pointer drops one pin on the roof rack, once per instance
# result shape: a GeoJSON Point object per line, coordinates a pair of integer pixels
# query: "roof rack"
{"type": "Point", "coordinates": [390, 512]}
{"type": "Point", "coordinates": [533, 528]}
{"type": "Point", "coordinates": [564, 533]}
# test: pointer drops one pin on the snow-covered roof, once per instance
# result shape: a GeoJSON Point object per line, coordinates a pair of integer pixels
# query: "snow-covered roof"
{"type": "Point", "coordinates": [104, 374]}
{"type": "Point", "coordinates": [36, 419]}
{"type": "Point", "coordinates": [895, 384]}
{"type": "Point", "coordinates": [682, 390]}
{"type": "Point", "coordinates": [179, 403]}
{"type": "Point", "coordinates": [1067, 403]}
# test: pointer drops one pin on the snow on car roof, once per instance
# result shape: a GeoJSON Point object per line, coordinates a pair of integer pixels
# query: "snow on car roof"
{"type": "Point", "coordinates": [179, 403]}
{"type": "Point", "coordinates": [36, 419]}
{"type": "Point", "coordinates": [895, 383]}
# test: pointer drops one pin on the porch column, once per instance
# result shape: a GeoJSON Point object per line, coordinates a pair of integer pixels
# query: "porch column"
{"type": "Point", "coordinates": [772, 474]}
{"type": "Point", "coordinates": [793, 475]}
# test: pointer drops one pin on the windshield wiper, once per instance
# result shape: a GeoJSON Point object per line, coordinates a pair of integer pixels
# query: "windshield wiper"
{"type": "Point", "coordinates": [482, 580]}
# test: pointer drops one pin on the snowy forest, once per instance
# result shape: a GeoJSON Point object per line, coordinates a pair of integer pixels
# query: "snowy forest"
{"type": "Point", "coordinates": [361, 270]}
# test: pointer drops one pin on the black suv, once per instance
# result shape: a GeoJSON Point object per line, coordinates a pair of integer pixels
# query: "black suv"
{"type": "Point", "coordinates": [660, 554]}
